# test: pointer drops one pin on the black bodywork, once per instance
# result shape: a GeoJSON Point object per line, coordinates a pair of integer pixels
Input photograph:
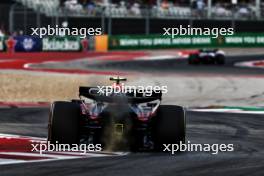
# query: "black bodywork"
{"type": "Point", "coordinates": [118, 116]}
{"type": "Point", "coordinates": [207, 56]}
{"type": "Point", "coordinates": [119, 120]}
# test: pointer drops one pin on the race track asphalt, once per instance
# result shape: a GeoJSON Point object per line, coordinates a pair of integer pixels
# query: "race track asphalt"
{"type": "Point", "coordinates": [168, 66]}
{"type": "Point", "coordinates": [245, 131]}
{"type": "Point", "coordinates": [180, 66]}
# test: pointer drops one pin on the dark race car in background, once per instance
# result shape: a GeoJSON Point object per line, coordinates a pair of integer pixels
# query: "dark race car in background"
{"type": "Point", "coordinates": [117, 120]}
{"type": "Point", "coordinates": [207, 56]}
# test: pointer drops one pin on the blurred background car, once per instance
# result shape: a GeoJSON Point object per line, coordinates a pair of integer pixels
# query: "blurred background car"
{"type": "Point", "coordinates": [207, 56]}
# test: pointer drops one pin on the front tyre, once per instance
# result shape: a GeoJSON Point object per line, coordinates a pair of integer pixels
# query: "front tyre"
{"type": "Point", "coordinates": [64, 122]}
{"type": "Point", "coordinates": [169, 126]}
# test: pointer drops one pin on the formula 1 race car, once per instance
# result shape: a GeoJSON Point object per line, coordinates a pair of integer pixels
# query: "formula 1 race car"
{"type": "Point", "coordinates": [126, 120]}
{"type": "Point", "coordinates": [207, 56]}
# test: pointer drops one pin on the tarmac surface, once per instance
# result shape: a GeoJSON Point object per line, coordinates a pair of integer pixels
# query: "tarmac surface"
{"type": "Point", "coordinates": [245, 131]}
{"type": "Point", "coordinates": [156, 66]}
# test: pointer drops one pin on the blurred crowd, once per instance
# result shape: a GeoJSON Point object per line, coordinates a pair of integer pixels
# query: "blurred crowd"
{"type": "Point", "coordinates": [184, 8]}
{"type": "Point", "coordinates": [97, 7]}
{"type": "Point", "coordinates": [4, 32]}
{"type": "Point", "coordinates": [220, 9]}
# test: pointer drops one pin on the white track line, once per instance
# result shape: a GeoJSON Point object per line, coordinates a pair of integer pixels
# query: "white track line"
{"type": "Point", "coordinates": [11, 136]}
{"type": "Point", "coordinates": [237, 111]}
{"type": "Point", "coordinates": [250, 64]}
{"type": "Point", "coordinates": [163, 57]}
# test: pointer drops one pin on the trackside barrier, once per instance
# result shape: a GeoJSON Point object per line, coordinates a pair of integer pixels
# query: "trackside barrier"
{"type": "Point", "coordinates": [101, 43]}
{"type": "Point", "coordinates": [159, 42]}
{"type": "Point", "coordinates": [35, 44]}
{"type": "Point", "coordinates": [126, 42]}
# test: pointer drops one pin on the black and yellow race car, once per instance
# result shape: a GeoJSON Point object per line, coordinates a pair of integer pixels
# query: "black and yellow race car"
{"type": "Point", "coordinates": [129, 120]}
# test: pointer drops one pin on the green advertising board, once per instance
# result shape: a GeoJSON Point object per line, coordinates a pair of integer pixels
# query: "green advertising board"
{"type": "Point", "coordinates": [159, 41]}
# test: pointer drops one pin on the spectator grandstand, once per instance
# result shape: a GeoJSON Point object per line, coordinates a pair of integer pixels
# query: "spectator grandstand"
{"type": "Point", "coordinates": [47, 7]}
{"type": "Point", "coordinates": [156, 9]}
{"type": "Point", "coordinates": [131, 16]}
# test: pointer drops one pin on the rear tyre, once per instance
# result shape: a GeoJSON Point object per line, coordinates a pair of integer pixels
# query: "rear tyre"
{"type": "Point", "coordinates": [220, 59]}
{"type": "Point", "coordinates": [64, 123]}
{"type": "Point", "coordinates": [169, 126]}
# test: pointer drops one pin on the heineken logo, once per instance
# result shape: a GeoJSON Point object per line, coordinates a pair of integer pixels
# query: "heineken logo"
{"type": "Point", "coordinates": [60, 44]}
